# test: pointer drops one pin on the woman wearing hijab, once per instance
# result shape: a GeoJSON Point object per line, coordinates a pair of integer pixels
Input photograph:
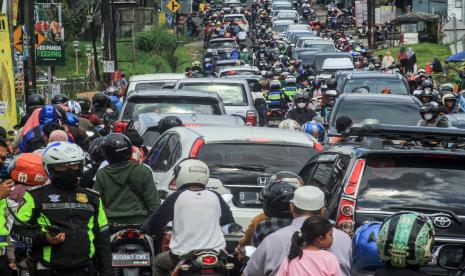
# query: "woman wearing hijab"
{"type": "Point", "coordinates": [411, 60]}
{"type": "Point", "coordinates": [388, 60]}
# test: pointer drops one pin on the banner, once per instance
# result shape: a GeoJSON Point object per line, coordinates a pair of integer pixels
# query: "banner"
{"type": "Point", "coordinates": [50, 49]}
{"type": "Point", "coordinates": [7, 87]}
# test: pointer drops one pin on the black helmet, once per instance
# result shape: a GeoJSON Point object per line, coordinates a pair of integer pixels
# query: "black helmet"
{"type": "Point", "coordinates": [95, 150]}
{"type": "Point", "coordinates": [167, 123]}
{"type": "Point", "coordinates": [301, 95]}
{"type": "Point", "coordinates": [276, 196]}
{"type": "Point", "coordinates": [35, 101]}
{"type": "Point", "coordinates": [116, 148]}
{"type": "Point", "coordinates": [427, 83]}
{"type": "Point", "coordinates": [84, 102]}
{"type": "Point", "coordinates": [59, 99]}
{"type": "Point", "coordinates": [99, 100]}
{"type": "Point", "coordinates": [286, 176]}
{"type": "Point", "coordinates": [428, 108]}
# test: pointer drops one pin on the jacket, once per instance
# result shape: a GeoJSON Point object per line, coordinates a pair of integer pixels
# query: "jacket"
{"type": "Point", "coordinates": [128, 192]}
{"type": "Point", "coordinates": [76, 212]}
{"type": "Point", "coordinates": [297, 115]}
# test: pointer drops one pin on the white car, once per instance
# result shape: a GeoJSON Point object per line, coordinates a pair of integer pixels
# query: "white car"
{"type": "Point", "coordinates": [241, 158]}
{"type": "Point", "coordinates": [153, 81]}
{"type": "Point", "coordinates": [239, 18]}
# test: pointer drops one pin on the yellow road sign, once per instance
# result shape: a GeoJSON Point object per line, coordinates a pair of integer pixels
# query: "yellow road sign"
{"type": "Point", "coordinates": [173, 6]}
{"type": "Point", "coordinates": [18, 39]}
{"type": "Point", "coordinates": [40, 38]}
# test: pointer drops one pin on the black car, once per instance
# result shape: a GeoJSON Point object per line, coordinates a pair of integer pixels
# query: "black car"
{"type": "Point", "coordinates": [381, 108]}
{"type": "Point", "coordinates": [374, 82]}
{"type": "Point", "coordinates": [372, 178]}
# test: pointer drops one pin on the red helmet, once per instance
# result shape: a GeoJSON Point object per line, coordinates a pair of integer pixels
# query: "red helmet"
{"type": "Point", "coordinates": [28, 169]}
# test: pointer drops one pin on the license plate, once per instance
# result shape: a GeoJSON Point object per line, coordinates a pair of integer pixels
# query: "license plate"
{"type": "Point", "coordinates": [140, 259]}
{"type": "Point", "coordinates": [274, 122]}
{"type": "Point", "coordinates": [249, 198]}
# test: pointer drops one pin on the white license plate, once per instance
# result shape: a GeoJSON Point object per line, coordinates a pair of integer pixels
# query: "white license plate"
{"type": "Point", "coordinates": [121, 259]}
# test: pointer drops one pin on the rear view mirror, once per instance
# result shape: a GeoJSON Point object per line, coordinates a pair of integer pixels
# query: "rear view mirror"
{"type": "Point", "coordinates": [452, 257]}
{"type": "Point", "coordinates": [110, 117]}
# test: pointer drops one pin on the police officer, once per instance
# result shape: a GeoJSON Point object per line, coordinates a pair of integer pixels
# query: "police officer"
{"type": "Point", "coordinates": [5, 189]}
{"type": "Point", "coordinates": [64, 224]}
{"type": "Point", "coordinates": [276, 96]}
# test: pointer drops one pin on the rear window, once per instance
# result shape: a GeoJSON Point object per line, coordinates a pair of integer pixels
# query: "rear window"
{"type": "Point", "coordinates": [376, 85]}
{"type": "Point", "coordinates": [220, 44]}
{"type": "Point", "coordinates": [234, 18]}
{"type": "Point", "coordinates": [384, 112]}
{"type": "Point", "coordinates": [280, 28]}
{"type": "Point", "coordinates": [291, 158]}
{"type": "Point", "coordinates": [435, 181]}
{"type": "Point", "coordinates": [327, 48]}
{"type": "Point", "coordinates": [151, 85]}
{"type": "Point", "coordinates": [139, 105]}
{"type": "Point", "coordinates": [232, 94]}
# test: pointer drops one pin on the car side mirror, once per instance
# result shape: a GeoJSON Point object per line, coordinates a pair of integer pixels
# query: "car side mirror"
{"type": "Point", "coordinates": [110, 117]}
{"type": "Point", "coordinates": [452, 257]}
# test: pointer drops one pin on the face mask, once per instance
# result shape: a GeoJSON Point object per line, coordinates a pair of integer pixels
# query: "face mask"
{"type": "Point", "coordinates": [301, 105]}
{"type": "Point", "coordinates": [67, 179]}
{"type": "Point", "coordinates": [428, 116]}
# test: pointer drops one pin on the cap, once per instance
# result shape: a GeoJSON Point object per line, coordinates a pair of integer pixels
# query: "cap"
{"type": "Point", "coordinates": [309, 198]}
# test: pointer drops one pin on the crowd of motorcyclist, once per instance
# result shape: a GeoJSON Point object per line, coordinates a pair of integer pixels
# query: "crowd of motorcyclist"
{"type": "Point", "coordinates": [69, 184]}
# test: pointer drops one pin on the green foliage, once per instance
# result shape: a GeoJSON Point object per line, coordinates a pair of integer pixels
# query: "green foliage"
{"type": "Point", "coordinates": [157, 40]}
{"type": "Point", "coordinates": [425, 52]}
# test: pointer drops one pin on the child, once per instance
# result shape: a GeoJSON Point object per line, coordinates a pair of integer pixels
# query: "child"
{"type": "Point", "coordinates": [313, 259]}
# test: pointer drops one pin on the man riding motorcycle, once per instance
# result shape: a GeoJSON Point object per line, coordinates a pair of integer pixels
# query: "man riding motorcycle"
{"type": "Point", "coordinates": [276, 96]}
{"type": "Point", "coordinates": [301, 113]}
{"type": "Point", "coordinates": [290, 88]}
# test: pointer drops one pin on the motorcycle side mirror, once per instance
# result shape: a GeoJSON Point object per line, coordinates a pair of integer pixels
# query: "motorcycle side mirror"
{"type": "Point", "coordinates": [249, 250]}
{"type": "Point", "coordinates": [452, 257]}
{"type": "Point", "coordinates": [110, 117]}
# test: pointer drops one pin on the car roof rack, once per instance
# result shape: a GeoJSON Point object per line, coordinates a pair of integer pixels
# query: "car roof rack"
{"type": "Point", "coordinates": [408, 133]}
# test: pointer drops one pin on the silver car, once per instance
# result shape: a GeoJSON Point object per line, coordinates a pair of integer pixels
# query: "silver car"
{"type": "Point", "coordinates": [241, 159]}
{"type": "Point", "coordinates": [235, 93]}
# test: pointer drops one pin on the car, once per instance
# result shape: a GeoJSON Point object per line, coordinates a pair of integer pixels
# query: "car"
{"type": "Point", "coordinates": [307, 57]}
{"type": "Point", "coordinates": [375, 82]}
{"type": "Point", "coordinates": [386, 109]}
{"type": "Point", "coordinates": [364, 183]}
{"type": "Point", "coordinates": [301, 41]}
{"type": "Point", "coordinates": [280, 26]}
{"type": "Point", "coordinates": [146, 124]}
{"type": "Point", "coordinates": [294, 36]}
{"type": "Point", "coordinates": [288, 15]}
{"type": "Point", "coordinates": [153, 81]}
{"type": "Point", "coordinates": [323, 45]}
{"type": "Point", "coordinates": [226, 44]}
{"type": "Point", "coordinates": [242, 70]}
{"type": "Point", "coordinates": [236, 95]}
{"type": "Point", "coordinates": [170, 101]}
{"type": "Point", "coordinates": [325, 64]}
{"type": "Point", "coordinates": [221, 64]}
{"type": "Point", "coordinates": [282, 7]}
{"type": "Point", "coordinates": [239, 18]}
{"type": "Point", "coordinates": [298, 52]}
{"type": "Point", "coordinates": [242, 158]}
{"type": "Point", "coordinates": [298, 27]}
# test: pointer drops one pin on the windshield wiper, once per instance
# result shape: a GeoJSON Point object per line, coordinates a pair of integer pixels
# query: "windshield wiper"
{"type": "Point", "coordinates": [258, 168]}
{"type": "Point", "coordinates": [427, 209]}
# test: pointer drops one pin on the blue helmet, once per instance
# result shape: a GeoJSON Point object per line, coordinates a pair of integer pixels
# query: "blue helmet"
{"type": "Point", "coordinates": [315, 129]}
{"type": "Point", "coordinates": [71, 119]}
{"type": "Point", "coordinates": [365, 253]}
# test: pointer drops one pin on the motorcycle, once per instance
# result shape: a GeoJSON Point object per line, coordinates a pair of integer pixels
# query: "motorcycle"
{"type": "Point", "coordinates": [204, 262]}
{"type": "Point", "coordinates": [275, 116]}
{"type": "Point", "coordinates": [132, 252]}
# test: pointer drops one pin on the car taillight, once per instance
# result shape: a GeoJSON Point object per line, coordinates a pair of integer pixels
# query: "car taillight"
{"type": "Point", "coordinates": [345, 216]}
{"type": "Point", "coordinates": [318, 147]}
{"type": "Point", "coordinates": [130, 234]}
{"type": "Point", "coordinates": [355, 177]}
{"type": "Point", "coordinates": [251, 118]}
{"type": "Point", "coordinates": [209, 260]}
{"type": "Point", "coordinates": [196, 148]}
{"type": "Point", "coordinates": [120, 126]}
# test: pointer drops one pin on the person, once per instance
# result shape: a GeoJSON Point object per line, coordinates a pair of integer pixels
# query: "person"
{"type": "Point", "coordinates": [59, 99]}
{"type": "Point", "coordinates": [112, 93]}
{"type": "Point", "coordinates": [86, 111]}
{"type": "Point", "coordinates": [75, 108]}
{"type": "Point", "coordinates": [437, 66]}
{"type": "Point", "coordinates": [428, 113]}
{"type": "Point", "coordinates": [403, 59]}
{"type": "Point", "coordinates": [289, 124]}
{"type": "Point", "coordinates": [127, 189]}
{"type": "Point", "coordinates": [64, 240]}
{"type": "Point", "coordinates": [301, 113]}
{"type": "Point", "coordinates": [168, 122]}
{"type": "Point", "coordinates": [386, 90]}
{"type": "Point", "coordinates": [190, 232]}
{"type": "Point", "coordinates": [411, 60]}
{"type": "Point", "coordinates": [290, 88]}
{"type": "Point", "coordinates": [5, 190]}
{"type": "Point", "coordinates": [405, 257]}
{"type": "Point", "coordinates": [308, 254]}
{"type": "Point", "coordinates": [100, 104]}
{"type": "Point", "coordinates": [315, 129]}
{"type": "Point", "coordinates": [245, 56]}
{"type": "Point", "coordinates": [343, 125]}
{"type": "Point", "coordinates": [308, 201]}
{"type": "Point", "coordinates": [34, 101]}
{"type": "Point", "coordinates": [276, 96]}
{"type": "Point", "coordinates": [449, 101]}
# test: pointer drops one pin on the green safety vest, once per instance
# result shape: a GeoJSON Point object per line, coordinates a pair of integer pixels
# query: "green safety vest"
{"type": "Point", "coordinates": [290, 91]}
{"type": "Point", "coordinates": [3, 225]}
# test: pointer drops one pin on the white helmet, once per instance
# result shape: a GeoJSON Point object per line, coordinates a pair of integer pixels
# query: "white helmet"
{"type": "Point", "coordinates": [191, 171]}
{"type": "Point", "coordinates": [75, 107]}
{"type": "Point", "coordinates": [62, 152]}
{"type": "Point", "coordinates": [289, 124]}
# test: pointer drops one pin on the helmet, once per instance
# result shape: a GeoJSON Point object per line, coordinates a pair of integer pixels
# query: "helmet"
{"type": "Point", "coordinates": [59, 98]}
{"type": "Point", "coordinates": [286, 176]}
{"type": "Point", "coordinates": [301, 95]}
{"type": "Point", "coordinates": [289, 124]}
{"type": "Point", "coordinates": [406, 238]}
{"type": "Point", "coordinates": [276, 196]}
{"type": "Point", "coordinates": [361, 90]}
{"type": "Point", "coordinates": [84, 103]}
{"type": "Point", "coordinates": [275, 84]}
{"type": "Point", "coordinates": [99, 100]}
{"type": "Point", "coordinates": [61, 152]}
{"type": "Point", "coordinates": [428, 108]}
{"type": "Point", "coordinates": [35, 101]}
{"type": "Point", "coordinates": [111, 91]}
{"type": "Point", "coordinates": [27, 169]}
{"type": "Point", "coordinates": [315, 129]}
{"type": "Point", "coordinates": [290, 80]}
{"type": "Point", "coordinates": [74, 107]}
{"type": "Point", "coordinates": [448, 97]}
{"type": "Point", "coordinates": [365, 250]}
{"type": "Point", "coordinates": [196, 64]}
{"type": "Point", "coordinates": [191, 171]}
{"type": "Point", "coordinates": [116, 148]}
{"type": "Point", "coordinates": [167, 123]}
{"type": "Point", "coordinates": [316, 83]}
{"type": "Point", "coordinates": [95, 150]}
{"type": "Point", "coordinates": [427, 83]}
{"type": "Point", "coordinates": [71, 119]}
{"type": "Point", "coordinates": [447, 87]}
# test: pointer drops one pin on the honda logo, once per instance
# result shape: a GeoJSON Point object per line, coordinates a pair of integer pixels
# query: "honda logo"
{"type": "Point", "coordinates": [261, 180]}
{"type": "Point", "coordinates": [442, 222]}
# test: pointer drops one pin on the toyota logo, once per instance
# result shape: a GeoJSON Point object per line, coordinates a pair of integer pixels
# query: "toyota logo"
{"type": "Point", "coordinates": [442, 222]}
{"type": "Point", "coordinates": [261, 180]}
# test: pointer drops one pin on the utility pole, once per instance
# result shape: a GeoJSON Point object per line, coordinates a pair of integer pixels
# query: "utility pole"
{"type": "Point", "coordinates": [30, 62]}
{"type": "Point", "coordinates": [109, 41]}
{"type": "Point", "coordinates": [371, 23]}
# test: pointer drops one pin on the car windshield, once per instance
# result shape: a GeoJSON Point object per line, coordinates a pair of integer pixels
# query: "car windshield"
{"type": "Point", "coordinates": [152, 85]}
{"type": "Point", "coordinates": [233, 72]}
{"type": "Point", "coordinates": [427, 180]}
{"type": "Point", "coordinates": [385, 112]}
{"type": "Point", "coordinates": [220, 44]}
{"type": "Point", "coordinates": [292, 158]}
{"type": "Point", "coordinates": [139, 105]}
{"type": "Point", "coordinates": [376, 85]}
{"type": "Point", "coordinates": [232, 94]}
{"type": "Point", "coordinates": [280, 28]}
{"type": "Point", "coordinates": [337, 64]}
{"type": "Point", "coordinates": [234, 18]}
{"type": "Point", "coordinates": [327, 48]}
{"type": "Point", "coordinates": [286, 15]}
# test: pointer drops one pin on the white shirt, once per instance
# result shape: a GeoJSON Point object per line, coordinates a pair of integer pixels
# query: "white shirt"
{"type": "Point", "coordinates": [242, 35]}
